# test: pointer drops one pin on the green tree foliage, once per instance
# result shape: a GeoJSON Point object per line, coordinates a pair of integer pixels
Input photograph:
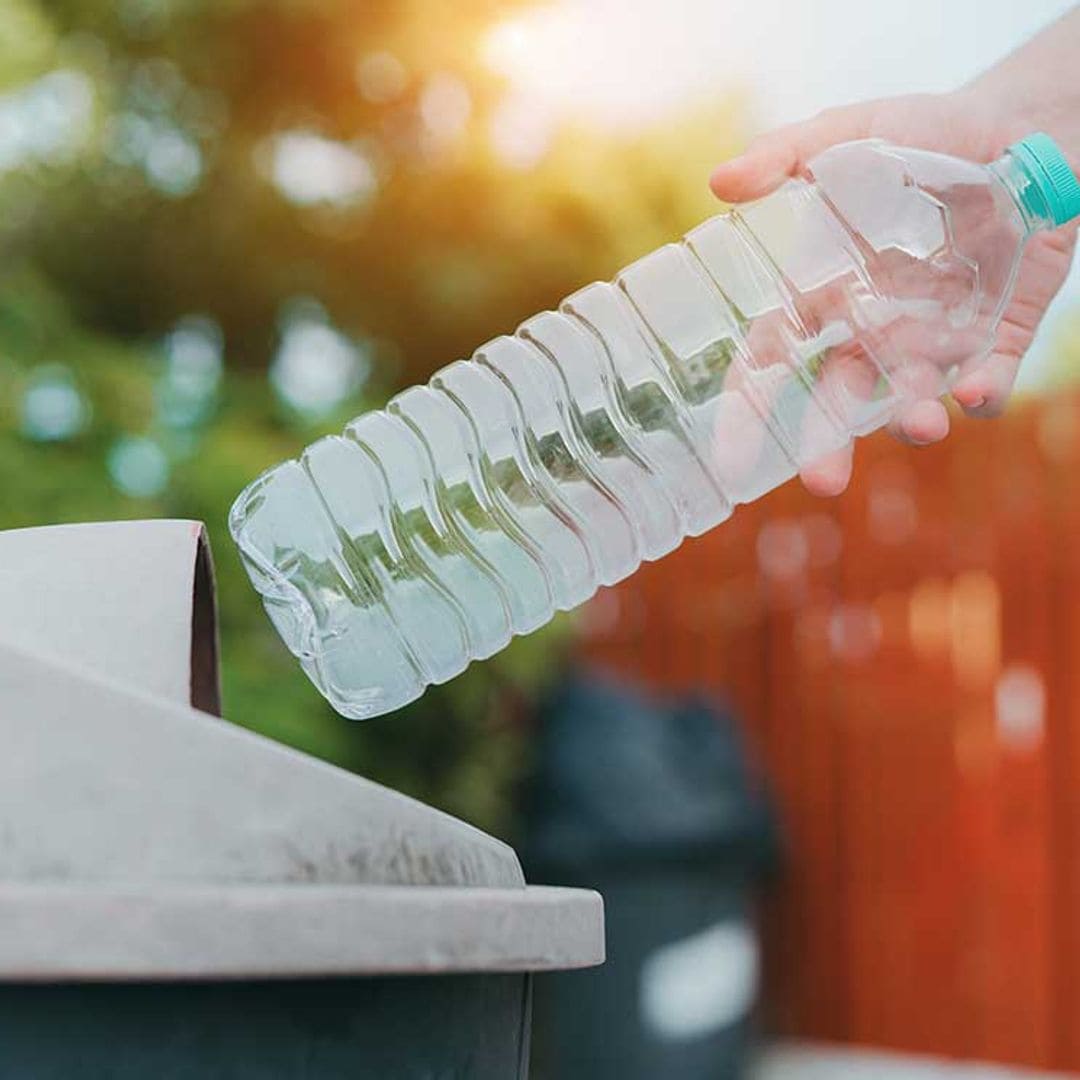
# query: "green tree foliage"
{"type": "Point", "coordinates": [163, 161]}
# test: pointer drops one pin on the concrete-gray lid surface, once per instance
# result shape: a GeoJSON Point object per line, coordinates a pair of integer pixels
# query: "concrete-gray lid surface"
{"type": "Point", "coordinates": [128, 600]}
{"type": "Point", "coordinates": [102, 782]}
{"type": "Point", "coordinates": [287, 931]}
{"type": "Point", "coordinates": [141, 837]}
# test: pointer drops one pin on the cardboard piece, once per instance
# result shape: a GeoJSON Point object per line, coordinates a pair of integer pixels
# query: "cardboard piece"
{"type": "Point", "coordinates": [143, 837]}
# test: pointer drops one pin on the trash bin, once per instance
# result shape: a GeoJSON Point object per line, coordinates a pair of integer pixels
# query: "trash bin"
{"type": "Point", "coordinates": [182, 898]}
{"type": "Point", "coordinates": [650, 802]}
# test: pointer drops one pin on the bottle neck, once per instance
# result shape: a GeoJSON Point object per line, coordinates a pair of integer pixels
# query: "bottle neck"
{"type": "Point", "coordinates": [1025, 193]}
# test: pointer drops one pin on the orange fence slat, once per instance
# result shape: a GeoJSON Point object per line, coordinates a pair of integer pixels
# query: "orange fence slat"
{"type": "Point", "coordinates": [906, 660]}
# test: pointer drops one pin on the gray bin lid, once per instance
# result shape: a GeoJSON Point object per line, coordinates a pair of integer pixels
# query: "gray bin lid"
{"type": "Point", "coordinates": [113, 932]}
{"type": "Point", "coordinates": [143, 837]}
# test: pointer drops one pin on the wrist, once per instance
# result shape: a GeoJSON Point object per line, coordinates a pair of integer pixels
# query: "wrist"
{"type": "Point", "coordinates": [1023, 99]}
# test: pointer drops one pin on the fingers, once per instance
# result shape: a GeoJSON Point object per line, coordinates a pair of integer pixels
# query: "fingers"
{"type": "Point", "coordinates": [739, 441]}
{"type": "Point", "coordinates": [921, 423]}
{"type": "Point", "coordinates": [772, 158]}
{"type": "Point", "coordinates": [825, 444]}
{"type": "Point", "coordinates": [985, 391]}
{"type": "Point", "coordinates": [829, 475]}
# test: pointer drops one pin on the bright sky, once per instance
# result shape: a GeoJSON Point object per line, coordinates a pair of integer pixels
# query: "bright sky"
{"type": "Point", "coordinates": [618, 61]}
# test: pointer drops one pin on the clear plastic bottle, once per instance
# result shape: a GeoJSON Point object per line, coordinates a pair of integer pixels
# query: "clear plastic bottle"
{"type": "Point", "coordinates": [641, 412]}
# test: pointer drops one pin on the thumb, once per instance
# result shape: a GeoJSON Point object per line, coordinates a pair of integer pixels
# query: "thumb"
{"type": "Point", "coordinates": [774, 157]}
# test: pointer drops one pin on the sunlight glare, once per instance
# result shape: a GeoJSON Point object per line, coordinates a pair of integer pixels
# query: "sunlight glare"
{"type": "Point", "coordinates": [520, 131]}
{"type": "Point", "coordinates": [505, 45]}
{"type": "Point", "coordinates": [605, 62]}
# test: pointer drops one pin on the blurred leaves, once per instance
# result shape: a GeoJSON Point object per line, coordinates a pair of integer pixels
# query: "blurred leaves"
{"type": "Point", "coordinates": [173, 206]}
{"type": "Point", "coordinates": [458, 747]}
{"type": "Point", "coordinates": [26, 42]}
{"type": "Point", "coordinates": [324, 189]}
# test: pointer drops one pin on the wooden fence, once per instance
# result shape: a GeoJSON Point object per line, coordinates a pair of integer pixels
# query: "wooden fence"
{"type": "Point", "coordinates": [907, 661]}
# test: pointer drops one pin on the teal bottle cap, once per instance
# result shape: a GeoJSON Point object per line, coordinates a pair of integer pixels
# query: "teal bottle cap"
{"type": "Point", "coordinates": [1054, 183]}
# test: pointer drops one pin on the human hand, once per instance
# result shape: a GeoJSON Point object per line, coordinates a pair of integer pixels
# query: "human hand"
{"type": "Point", "coordinates": [974, 124]}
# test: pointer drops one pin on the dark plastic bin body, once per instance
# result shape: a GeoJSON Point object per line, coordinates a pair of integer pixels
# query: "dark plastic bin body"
{"type": "Point", "coordinates": [450, 1027]}
{"type": "Point", "coordinates": [651, 803]}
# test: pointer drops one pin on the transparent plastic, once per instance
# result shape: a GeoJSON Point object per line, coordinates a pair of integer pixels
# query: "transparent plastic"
{"type": "Point", "coordinates": [640, 412]}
